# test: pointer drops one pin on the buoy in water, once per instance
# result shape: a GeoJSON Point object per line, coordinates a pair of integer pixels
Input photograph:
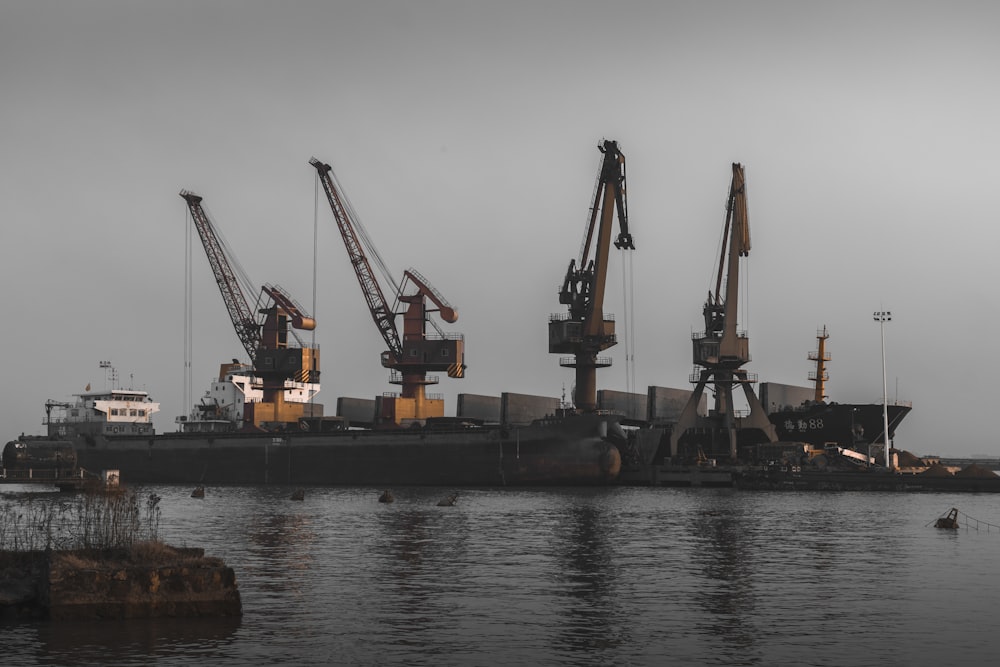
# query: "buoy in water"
{"type": "Point", "coordinates": [448, 501]}
{"type": "Point", "coordinates": [198, 492]}
{"type": "Point", "coordinates": [386, 497]}
{"type": "Point", "coordinates": [948, 522]}
{"type": "Point", "coordinates": [298, 494]}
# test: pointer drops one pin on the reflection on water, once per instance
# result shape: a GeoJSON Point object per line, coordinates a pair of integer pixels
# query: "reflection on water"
{"type": "Point", "coordinates": [75, 643]}
{"type": "Point", "coordinates": [723, 537]}
{"type": "Point", "coordinates": [563, 577]}
{"type": "Point", "coordinates": [281, 546]}
{"type": "Point", "coordinates": [419, 557]}
{"type": "Point", "coordinates": [591, 622]}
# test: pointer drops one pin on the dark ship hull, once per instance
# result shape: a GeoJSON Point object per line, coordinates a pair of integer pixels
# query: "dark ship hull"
{"type": "Point", "coordinates": [574, 450]}
{"type": "Point", "coordinates": [842, 424]}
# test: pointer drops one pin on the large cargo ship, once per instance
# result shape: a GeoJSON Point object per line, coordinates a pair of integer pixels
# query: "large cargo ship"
{"type": "Point", "coordinates": [112, 429]}
{"type": "Point", "coordinates": [852, 425]}
{"type": "Point", "coordinates": [822, 423]}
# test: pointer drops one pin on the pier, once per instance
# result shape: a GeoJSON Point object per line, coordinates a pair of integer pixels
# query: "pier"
{"type": "Point", "coordinates": [65, 480]}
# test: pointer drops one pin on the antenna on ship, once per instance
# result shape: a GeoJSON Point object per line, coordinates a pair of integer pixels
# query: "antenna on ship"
{"type": "Point", "coordinates": [110, 374]}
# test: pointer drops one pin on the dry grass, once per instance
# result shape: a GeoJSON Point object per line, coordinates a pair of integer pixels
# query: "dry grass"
{"type": "Point", "coordinates": [150, 553]}
{"type": "Point", "coordinates": [102, 520]}
{"type": "Point", "coordinates": [73, 560]}
{"type": "Point", "coordinates": [154, 552]}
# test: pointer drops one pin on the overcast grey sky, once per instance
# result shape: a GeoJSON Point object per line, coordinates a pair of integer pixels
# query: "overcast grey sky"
{"type": "Point", "coordinates": [465, 135]}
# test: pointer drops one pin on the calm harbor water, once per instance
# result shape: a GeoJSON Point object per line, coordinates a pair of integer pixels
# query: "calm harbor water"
{"type": "Point", "coordinates": [615, 576]}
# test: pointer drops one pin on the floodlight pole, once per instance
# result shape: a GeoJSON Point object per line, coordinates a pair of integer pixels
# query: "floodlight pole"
{"type": "Point", "coordinates": [883, 316]}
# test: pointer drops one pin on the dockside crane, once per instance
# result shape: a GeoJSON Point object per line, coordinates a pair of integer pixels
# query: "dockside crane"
{"type": "Point", "coordinates": [275, 359]}
{"type": "Point", "coordinates": [416, 353]}
{"type": "Point", "coordinates": [584, 330]}
{"type": "Point", "coordinates": [722, 349]}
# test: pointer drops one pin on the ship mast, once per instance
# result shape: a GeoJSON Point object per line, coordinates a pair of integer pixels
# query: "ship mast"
{"type": "Point", "coordinates": [820, 375]}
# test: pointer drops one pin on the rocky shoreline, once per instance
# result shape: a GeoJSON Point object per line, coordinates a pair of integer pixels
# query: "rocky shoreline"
{"type": "Point", "coordinates": [147, 580]}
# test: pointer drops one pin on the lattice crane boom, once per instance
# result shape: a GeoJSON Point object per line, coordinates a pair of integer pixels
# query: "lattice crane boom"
{"type": "Point", "coordinates": [379, 308]}
{"type": "Point", "coordinates": [242, 316]}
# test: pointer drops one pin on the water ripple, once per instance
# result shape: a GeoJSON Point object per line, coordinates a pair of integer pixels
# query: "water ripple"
{"type": "Point", "coordinates": [619, 576]}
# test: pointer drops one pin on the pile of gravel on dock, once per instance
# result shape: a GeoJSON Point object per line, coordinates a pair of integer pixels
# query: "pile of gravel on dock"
{"type": "Point", "coordinates": [936, 470]}
{"type": "Point", "coordinates": [907, 459]}
{"type": "Point", "coordinates": [975, 470]}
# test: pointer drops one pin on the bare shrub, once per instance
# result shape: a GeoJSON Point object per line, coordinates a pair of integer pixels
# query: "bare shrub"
{"type": "Point", "coordinates": [105, 519]}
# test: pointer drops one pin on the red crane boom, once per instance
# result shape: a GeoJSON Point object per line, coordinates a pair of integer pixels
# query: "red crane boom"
{"type": "Point", "coordinates": [381, 313]}
{"type": "Point", "coordinates": [244, 322]}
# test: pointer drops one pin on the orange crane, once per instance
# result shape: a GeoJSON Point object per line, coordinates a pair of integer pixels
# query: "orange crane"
{"type": "Point", "coordinates": [415, 354]}
{"type": "Point", "coordinates": [585, 331]}
{"type": "Point", "coordinates": [722, 350]}
{"type": "Point", "coordinates": [266, 340]}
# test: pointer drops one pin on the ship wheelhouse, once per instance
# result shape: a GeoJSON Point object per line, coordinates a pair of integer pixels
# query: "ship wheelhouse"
{"type": "Point", "coordinates": [108, 413]}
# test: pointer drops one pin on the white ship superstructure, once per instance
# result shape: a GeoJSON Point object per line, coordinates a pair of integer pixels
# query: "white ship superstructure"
{"type": "Point", "coordinates": [223, 406]}
{"type": "Point", "coordinates": [108, 412]}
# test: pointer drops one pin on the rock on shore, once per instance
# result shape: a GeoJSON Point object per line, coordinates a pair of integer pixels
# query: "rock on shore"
{"type": "Point", "coordinates": [150, 580]}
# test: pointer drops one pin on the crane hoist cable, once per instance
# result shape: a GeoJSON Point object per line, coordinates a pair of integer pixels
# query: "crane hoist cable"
{"type": "Point", "coordinates": [233, 281]}
{"type": "Point", "coordinates": [246, 284]}
{"type": "Point", "coordinates": [366, 241]}
{"type": "Point", "coordinates": [628, 298]}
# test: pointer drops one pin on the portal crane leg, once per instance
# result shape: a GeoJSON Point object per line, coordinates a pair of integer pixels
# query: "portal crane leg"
{"type": "Point", "coordinates": [757, 417]}
{"type": "Point", "coordinates": [689, 415]}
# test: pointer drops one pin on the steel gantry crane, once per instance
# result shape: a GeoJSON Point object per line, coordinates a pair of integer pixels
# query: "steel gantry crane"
{"type": "Point", "coordinates": [585, 330]}
{"type": "Point", "coordinates": [722, 350]}
{"type": "Point", "coordinates": [416, 353]}
{"type": "Point", "coordinates": [278, 365]}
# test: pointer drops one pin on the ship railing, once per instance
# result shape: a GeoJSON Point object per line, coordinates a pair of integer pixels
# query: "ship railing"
{"type": "Point", "coordinates": [696, 335]}
{"type": "Point", "coordinates": [572, 362]}
{"type": "Point", "coordinates": [396, 394]}
{"type": "Point", "coordinates": [294, 343]}
{"type": "Point", "coordinates": [563, 317]}
{"type": "Point", "coordinates": [893, 402]}
{"type": "Point", "coordinates": [40, 475]}
{"type": "Point", "coordinates": [695, 376]}
{"type": "Point", "coordinates": [448, 335]}
{"type": "Point", "coordinates": [395, 377]}
{"type": "Point", "coordinates": [82, 419]}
